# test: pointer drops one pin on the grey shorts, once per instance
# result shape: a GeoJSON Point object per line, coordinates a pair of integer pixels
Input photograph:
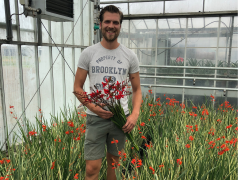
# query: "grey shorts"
{"type": "Point", "coordinates": [100, 132]}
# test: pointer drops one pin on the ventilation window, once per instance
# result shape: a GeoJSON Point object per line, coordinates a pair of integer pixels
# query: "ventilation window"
{"type": "Point", "coordinates": [61, 7]}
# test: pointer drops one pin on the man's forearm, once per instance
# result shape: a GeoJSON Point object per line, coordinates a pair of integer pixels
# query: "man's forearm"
{"type": "Point", "coordinates": [137, 100]}
{"type": "Point", "coordinates": [80, 94]}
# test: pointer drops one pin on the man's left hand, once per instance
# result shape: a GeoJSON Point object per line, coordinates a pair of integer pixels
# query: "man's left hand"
{"type": "Point", "coordinates": [130, 124]}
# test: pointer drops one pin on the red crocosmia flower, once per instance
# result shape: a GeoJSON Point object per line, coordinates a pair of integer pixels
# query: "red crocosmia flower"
{"type": "Point", "coordinates": [236, 128]}
{"type": "Point", "coordinates": [116, 141]}
{"type": "Point", "coordinates": [143, 137]}
{"type": "Point", "coordinates": [179, 161]}
{"type": "Point", "coordinates": [223, 146]}
{"type": "Point", "coordinates": [187, 145]}
{"type": "Point", "coordinates": [194, 107]}
{"type": "Point", "coordinates": [92, 94]}
{"type": "Point", "coordinates": [76, 176]}
{"type": "Point", "coordinates": [153, 170]}
{"type": "Point", "coordinates": [71, 131]}
{"type": "Point", "coordinates": [106, 91]}
{"type": "Point", "coordinates": [182, 105]}
{"type": "Point", "coordinates": [104, 84]}
{"type": "Point", "coordinates": [1, 161]}
{"type": "Point", "coordinates": [139, 128]}
{"type": "Point", "coordinates": [133, 161]}
{"type": "Point", "coordinates": [139, 163]}
{"type": "Point", "coordinates": [8, 160]}
{"type": "Point", "coordinates": [229, 126]}
{"type": "Point", "coordinates": [221, 152]}
{"type": "Point", "coordinates": [53, 164]}
{"type": "Point", "coordinates": [11, 107]}
{"type": "Point", "coordinates": [191, 138]}
{"type": "Point", "coordinates": [67, 132]}
{"type": "Point", "coordinates": [142, 124]}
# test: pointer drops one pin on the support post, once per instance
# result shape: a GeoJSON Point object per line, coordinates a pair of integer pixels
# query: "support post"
{"type": "Point", "coordinates": [8, 20]}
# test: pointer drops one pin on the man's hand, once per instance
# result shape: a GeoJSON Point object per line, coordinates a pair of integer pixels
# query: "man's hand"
{"type": "Point", "coordinates": [130, 124]}
{"type": "Point", "coordinates": [101, 112]}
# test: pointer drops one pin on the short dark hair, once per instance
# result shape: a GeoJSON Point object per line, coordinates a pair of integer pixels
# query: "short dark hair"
{"type": "Point", "coordinates": [111, 9]}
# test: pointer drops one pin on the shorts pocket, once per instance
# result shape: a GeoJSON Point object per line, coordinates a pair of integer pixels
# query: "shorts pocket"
{"type": "Point", "coordinates": [89, 119]}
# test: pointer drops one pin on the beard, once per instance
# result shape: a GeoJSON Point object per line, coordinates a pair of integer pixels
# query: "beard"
{"type": "Point", "coordinates": [110, 38]}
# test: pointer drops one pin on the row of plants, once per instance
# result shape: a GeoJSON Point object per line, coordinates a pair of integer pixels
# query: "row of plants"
{"type": "Point", "coordinates": [176, 141]}
{"type": "Point", "coordinates": [199, 63]}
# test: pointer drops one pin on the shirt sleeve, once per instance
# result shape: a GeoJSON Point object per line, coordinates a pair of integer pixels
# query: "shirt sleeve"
{"type": "Point", "coordinates": [134, 64]}
{"type": "Point", "coordinates": [84, 60]}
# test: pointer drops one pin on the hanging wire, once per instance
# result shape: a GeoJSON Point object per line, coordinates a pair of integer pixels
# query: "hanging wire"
{"type": "Point", "coordinates": [48, 70]}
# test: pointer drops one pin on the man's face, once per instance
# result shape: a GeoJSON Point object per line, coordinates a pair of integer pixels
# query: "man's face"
{"type": "Point", "coordinates": [110, 26]}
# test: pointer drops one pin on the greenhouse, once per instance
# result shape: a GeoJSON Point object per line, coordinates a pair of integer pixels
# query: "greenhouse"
{"type": "Point", "coordinates": [187, 56]}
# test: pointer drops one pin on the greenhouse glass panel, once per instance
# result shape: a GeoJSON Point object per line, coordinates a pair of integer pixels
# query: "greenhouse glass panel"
{"type": "Point", "coordinates": [225, 31]}
{"type": "Point", "coordinates": [166, 81]}
{"type": "Point", "coordinates": [232, 98]}
{"type": "Point", "coordinates": [197, 97]}
{"type": "Point", "coordinates": [3, 33]}
{"type": "Point", "coordinates": [202, 57]}
{"type": "Point", "coordinates": [58, 82]}
{"type": "Point", "coordinates": [69, 76]}
{"type": "Point", "coordinates": [56, 32]}
{"type": "Point", "coordinates": [67, 29]}
{"type": "Point", "coordinates": [122, 6]}
{"type": "Point", "coordinates": [151, 24]}
{"type": "Point", "coordinates": [2, 10]}
{"type": "Point", "coordinates": [12, 10]}
{"type": "Point", "coordinates": [163, 93]}
{"type": "Point", "coordinates": [142, 37]}
{"type": "Point", "coordinates": [173, 57]}
{"type": "Point", "coordinates": [196, 24]}
{"type": "Point", "coordinates": [183, 6]}
{"type": "Point", "coordinates": [26, 26]}
{"type": "Point", "coordinates": [221, 5]}
{"type": "Point", "coordinates": [86, 84]}
{"type": "Point", "coordinates": [146, 8]}
{"type": "Point", "coordinates": [86, 29]}
{"type": "Point", "coordinates": [235, 32]}
{"type": "Point", "coordinates": [12, 87]}
{"type": "Point", "coordinates": [45, 82]}
{"type": "Point", "coordinates": [30, 83]}
{"type": "Point", "coordinates": [223, 56]}
{"type": "Point", "coordinates": [146, 56]}
{"type": "Point", "coordinates": [123, 36]}
{"type": "Point", "coordinates": [77, 23]}
{"type": "Point", "coordinates": [45, 32]}
{"type": "Point", "coordinates": [171, 32]}
{"type": "Point", "coordinates": [203, 37]}
{"type": "Point", "coordinates": [224, 60]}
{"type": "Point", "coordinates": [147, 80]}
{"type": "Point", "coordinates": [27, 36]}
{"type": "Point", "coordinates": [2, 131]}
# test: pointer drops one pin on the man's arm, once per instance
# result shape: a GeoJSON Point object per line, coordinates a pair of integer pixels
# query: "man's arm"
{"type": "Point", "coordinates": [136, 100]}
{"type": "Point", "coordinates": [80, 79]}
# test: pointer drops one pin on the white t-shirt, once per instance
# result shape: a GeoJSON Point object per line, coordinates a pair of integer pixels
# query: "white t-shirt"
{"type": "Point", "coordinates": [102, 63]}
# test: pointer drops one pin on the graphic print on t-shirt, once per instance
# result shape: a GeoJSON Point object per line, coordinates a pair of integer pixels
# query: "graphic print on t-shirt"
{"type": "Point", "coordinates": [111, 70]}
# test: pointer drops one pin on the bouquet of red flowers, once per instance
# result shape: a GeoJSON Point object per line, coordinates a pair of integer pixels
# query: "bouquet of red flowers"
{"type": "Point", "coordinates": [109, 99]}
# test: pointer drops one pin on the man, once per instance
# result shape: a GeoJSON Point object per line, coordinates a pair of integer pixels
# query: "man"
{"type": "Point", "coordinates": [100, 61]}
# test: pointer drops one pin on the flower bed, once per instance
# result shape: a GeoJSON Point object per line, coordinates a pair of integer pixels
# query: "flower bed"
{"type": "Point", "coordinates": [177, 141]}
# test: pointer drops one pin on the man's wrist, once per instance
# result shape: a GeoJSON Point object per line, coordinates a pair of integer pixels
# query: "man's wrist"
{"type": "Point", "coordinates": [135, 113]}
